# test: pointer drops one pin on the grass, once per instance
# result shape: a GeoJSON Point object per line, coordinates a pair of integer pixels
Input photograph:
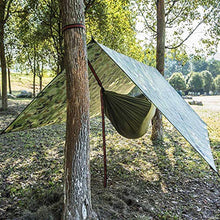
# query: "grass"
{"type": "Point", "coordinates": [21, 81]}
{"type": "Point", "coordinates": [145, 181]}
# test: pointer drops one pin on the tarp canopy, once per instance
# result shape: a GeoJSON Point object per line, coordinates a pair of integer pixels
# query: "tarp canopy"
{"type": "Point", "coordinates": [120, 74]}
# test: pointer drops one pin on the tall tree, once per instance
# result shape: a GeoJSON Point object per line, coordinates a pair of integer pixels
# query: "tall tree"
{"type": "Point", "coordinates": [104, 18]}
{"type": "Point", "coordinates": [178, 13]}
{"type": "Point", "coordinates": [195, 82]}
{"type": "Point", "coordinates": [177, 81]}
{"type": "Point", "coordinates": [77, 194]}
{"type": "Point", "coordinates": [208, 81]}
{"type": "Point", "coordinates": [157, 128]}
{"type": "Point", "coordinates": [214, 67]}
{"type": "Point", "coordinates": [217, 84]}
{"type": "Point", "coordinates": [4, 14]}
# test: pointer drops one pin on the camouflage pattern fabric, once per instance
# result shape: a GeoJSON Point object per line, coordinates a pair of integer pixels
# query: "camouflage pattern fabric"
{"type": "Point", "coordinates": [129, 115]}
{"type": "Point", "coordinates": [47, 108]}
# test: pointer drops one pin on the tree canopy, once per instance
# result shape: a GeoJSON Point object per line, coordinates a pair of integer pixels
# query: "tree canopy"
{"type": "Point", "coordinates": [207, 81]}
{"type": "Point", "coordinates": [177, 81]}
{"type": "Point", "coordinates": [195, 82]}
{"type": "Point", "coordinates": [217, 83]}
{"type": "Point", "coordinates": [182, 18]}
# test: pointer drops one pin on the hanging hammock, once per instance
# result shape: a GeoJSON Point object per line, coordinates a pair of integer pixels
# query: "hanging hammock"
{"type": "Point", "coordinates": [129, 115]}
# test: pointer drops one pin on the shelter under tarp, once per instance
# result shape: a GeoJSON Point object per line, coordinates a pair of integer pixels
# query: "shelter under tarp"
{"type": "Point", "coordinates": [118, 73]}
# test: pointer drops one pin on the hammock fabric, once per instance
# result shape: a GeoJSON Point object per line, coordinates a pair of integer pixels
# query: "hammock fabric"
{"type": "Point", "coordinates": [129, 115]}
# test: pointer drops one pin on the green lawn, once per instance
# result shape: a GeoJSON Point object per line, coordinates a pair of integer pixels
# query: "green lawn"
{"type": "Point", "coordinates": [21, 81]}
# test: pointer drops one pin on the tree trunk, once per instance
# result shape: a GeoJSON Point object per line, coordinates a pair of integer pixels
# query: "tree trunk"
{"type": "Point", "coordinates": [41, 76]}
{"type": "Point", "coordinates": [61, 56]}
{"type": "Point", "coordinates": [40, 79]}
{"type": "Point", "coordinates": [34, 83]}
{"type": "Point", "coordinates": [157, 126]}
{"type": "Point", "coordinates": [77, 193]}
{"type": "Point", "coordinates": [34, 73]}
{"type": "Point", "coordinates": [9, 81]}
{"type": "Point", "coordinates": [3, 66]}
{"type": "Point", "coordinates": [2, 56]}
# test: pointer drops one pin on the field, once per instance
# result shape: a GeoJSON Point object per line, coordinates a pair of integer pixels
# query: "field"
{"type": "Point", "coordinates": [145, 181]}
{"type": "Point", "coordinates": [21, 82]}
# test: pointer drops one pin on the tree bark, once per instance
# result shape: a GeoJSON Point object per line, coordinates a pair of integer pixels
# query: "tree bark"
{"type": "Point", "coordinates": [2, 57]}
{"type": "Point", "coordinates": [34, 73]}
{"type": "Point", "coordinates": [77, 194]}
{"type": "Point", "coordinates": [40, 79]}
{"type": "Point", "coordinates": [41, 72]}
{"type": "Point", "coordinates": [34, 84]}
{"type": "Point", "coordinates": [9, 81]}
{"type": "Point", "coordinates": [157, 126]}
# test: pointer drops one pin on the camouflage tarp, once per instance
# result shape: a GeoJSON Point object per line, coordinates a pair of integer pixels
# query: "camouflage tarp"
{"type": "Point", "coordinates": [48, 107]}
{"type": "Point", "coordinates": [120, 74]}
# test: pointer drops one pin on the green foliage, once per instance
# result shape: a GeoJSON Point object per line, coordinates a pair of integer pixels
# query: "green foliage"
{"type": "Point", "coordinates": [36, 31]}
{"type": "Point", "coordinates": [112, 24]}
{"type": "Point", "coordinates": [207, 81]}
{"type": "Point", "coordinates": [150, 55]}
{"type": "Point", "coordinates": [183, 15]}
{"type": "Point", "coordinates": [173, 65]}
{"type": "Point", "coordinates": [195, 82]}
{"type": "Point", "coordinates": [177, 81]}
{"type": "Point", "coordinates": [214, 67]}
{"type": "Point", "coordinates": [199, 64]}
{"type": "Point", "coordinates": [217, 83]}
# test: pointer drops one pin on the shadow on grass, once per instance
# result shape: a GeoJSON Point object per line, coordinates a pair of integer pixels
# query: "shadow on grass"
{"type": "Point", "coordinates": [31, 171]}
{"type": "Point", "coordinates": [151, 181]}
{"type": "Point", "coordinates": [145, 181]}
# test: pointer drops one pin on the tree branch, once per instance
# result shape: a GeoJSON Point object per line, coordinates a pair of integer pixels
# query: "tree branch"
{"type": "Point", "coordinates": [8, 10]}
{"type": "Point", "coordinates": [171, 7]}
{"type": "Point", "coordinates": [148, 25]}
{"type": "Point", "coordinates": [178, 14]}
{"type": "Point", "coordinates": [181, 43]}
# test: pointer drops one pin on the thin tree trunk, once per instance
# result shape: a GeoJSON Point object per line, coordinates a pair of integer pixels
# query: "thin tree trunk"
{"type": "Point", "coordinates": [9, 81]}
{"type": "Point", "coordinates": [157, 126]}
{"type": "Point", "coordinates": [77, 193]}
{"type": "Point", "coordinates": [3, 66]}
{"type": "Point", "coordinates": [34, 84]}
{"type": "Point", "coordinates": [40, 78]}
{"type": "Point", "coordinates": [34, 74]}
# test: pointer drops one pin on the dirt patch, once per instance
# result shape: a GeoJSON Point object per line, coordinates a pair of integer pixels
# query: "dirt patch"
{"type": "Point", "coordinates": [209, 102]}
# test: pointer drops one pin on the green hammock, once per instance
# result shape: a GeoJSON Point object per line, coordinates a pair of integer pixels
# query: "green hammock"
{"type": "Point", "coordinates": [129, 115]}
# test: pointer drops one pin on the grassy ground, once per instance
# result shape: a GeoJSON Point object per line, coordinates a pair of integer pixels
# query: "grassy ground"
{"type": "Point", "coordinates": [145, 181]}
{"type": "Point", "coordinates": [20, 81]}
